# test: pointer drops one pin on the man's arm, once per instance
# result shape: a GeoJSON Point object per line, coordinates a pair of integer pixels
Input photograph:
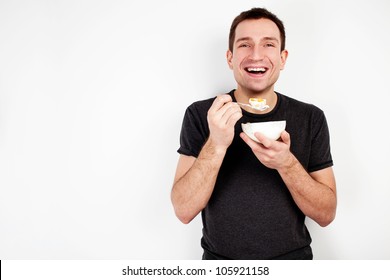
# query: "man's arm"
{"type": "Point", "coordinates": [194, 182]}
{"type": "Point", "coordinates": [195, 177]}
{"type": "Point", "coordinates": [314, 193]}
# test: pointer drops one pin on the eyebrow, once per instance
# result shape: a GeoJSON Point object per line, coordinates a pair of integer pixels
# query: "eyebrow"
{"type": "Point", "coordinates": [262, 39]}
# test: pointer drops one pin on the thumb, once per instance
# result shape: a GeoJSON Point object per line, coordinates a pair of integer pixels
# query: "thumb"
{"type": "Point", "coordinates": [285, 136]}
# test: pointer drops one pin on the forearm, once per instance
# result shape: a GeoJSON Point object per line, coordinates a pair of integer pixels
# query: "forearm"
{"type": "Point", "coordinates": [192, 191]}
{"type": "Point", "coordinates": [316, 199]}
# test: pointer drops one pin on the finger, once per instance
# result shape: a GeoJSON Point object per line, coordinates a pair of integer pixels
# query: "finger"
{"type": "Point", "coordinates": [252, 144]}
{"type": "Point", "coordinates": [220, 106]}
{"type": "Point", "coordinates": [234, 118]}
{"type": "Point", "coordinates": [285, 136]}
{"type": "Point", "coordinates": [266, 142]}
{"type": "Point", "coordinates": [232, 113]}
{"type": "Point", "coordinates": [219, 102]}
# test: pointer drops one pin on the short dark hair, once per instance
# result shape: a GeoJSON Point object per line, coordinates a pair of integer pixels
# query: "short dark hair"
{"type": "Point", "coordinates": [256, 13]}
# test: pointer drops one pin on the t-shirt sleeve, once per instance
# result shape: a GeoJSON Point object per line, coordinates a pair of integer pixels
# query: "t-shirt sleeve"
{"type": "Point", "coordinates": [320, 156]}
{"type": "Point", "coordinates": [194, 131]}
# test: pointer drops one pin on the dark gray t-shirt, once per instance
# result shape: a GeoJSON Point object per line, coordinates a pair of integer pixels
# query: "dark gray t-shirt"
{"type": "Point", "coordinates": [251, 214]}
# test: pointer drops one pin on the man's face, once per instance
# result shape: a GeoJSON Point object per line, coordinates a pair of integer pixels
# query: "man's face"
{"type": "Point", "coordinates": [256, 60]}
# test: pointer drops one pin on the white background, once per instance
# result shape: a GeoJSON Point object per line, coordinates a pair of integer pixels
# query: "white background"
{"type": "Point", "coordinates": [92, 95]}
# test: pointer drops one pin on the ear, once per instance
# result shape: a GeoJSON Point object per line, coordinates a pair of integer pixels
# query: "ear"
{"type": "Point", "coordinates": [229, 57]}
{"type": "Point", "coordinates": [283, 58]}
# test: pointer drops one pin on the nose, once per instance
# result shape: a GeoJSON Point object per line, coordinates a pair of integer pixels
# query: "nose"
{"type": "Point", "coordinates": [257, 53]}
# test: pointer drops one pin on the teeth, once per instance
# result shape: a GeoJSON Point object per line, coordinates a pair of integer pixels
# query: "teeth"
{"type": "Point", "coordinates": [260, 69]}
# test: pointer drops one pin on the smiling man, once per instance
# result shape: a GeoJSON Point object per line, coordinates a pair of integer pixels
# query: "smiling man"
{"type": "Point", "coordinates": [254, 197]}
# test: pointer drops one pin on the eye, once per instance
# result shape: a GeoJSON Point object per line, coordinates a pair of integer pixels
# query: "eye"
{"type": "Point", "coordinates": [244, 45]}
{"type": "Point", "coordinates": [269, 45]}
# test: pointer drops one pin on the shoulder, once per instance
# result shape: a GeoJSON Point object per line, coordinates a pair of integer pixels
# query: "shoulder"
{"type": "Point", "coordinates": [196, 115]}
{"type": "Point", "coordinates": [201, 106]}
{"type": "Point", "coordinates": [299, 104]}
{"type": "Point", "coordinates": [301, 108]}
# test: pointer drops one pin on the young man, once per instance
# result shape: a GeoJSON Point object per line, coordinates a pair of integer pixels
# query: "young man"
{"type": "Point", "coordinates": [254, 197]}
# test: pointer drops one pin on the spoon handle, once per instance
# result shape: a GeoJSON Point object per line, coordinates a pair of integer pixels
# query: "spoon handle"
{"type": "Point", "coordinates": [243, 104]}
{"type": "Point", "coordinates": [265, 107]}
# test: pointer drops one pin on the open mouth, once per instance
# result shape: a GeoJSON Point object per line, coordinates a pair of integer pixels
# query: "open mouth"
{"type": "Point", "coordinates": [256, 70]}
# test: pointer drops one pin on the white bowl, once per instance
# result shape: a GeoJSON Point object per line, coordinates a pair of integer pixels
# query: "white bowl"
{"type": "Point", "coordinates": [271, 130]}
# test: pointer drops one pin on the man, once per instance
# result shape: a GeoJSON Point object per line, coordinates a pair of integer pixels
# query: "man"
{"type": "Point", "coordinates": [254, 197]}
